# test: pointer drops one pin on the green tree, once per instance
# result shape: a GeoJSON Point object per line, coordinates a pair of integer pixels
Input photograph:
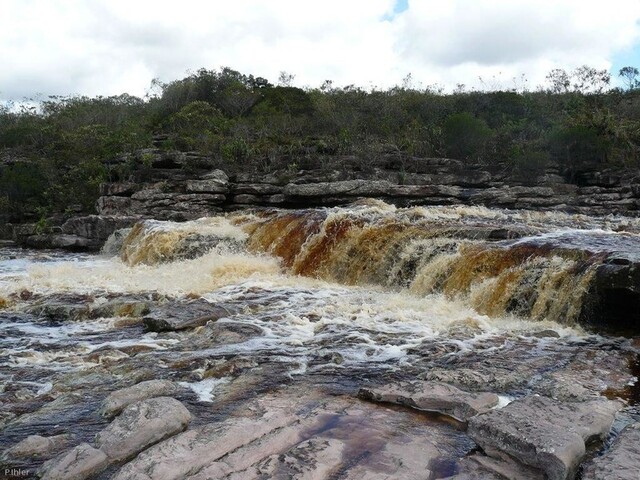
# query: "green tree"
{"type": "Point", "coordinates": [630, 76]}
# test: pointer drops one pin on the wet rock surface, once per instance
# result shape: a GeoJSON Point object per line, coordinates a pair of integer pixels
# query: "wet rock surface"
{"type": "Point", "coordinates": [185, 315]}
{"type": "Point", "coordinates": [286, 436]}
{"type": "Point", "coordinates": [543, 433]}
{"type": "Point", "coordinates": [120, 399]}
{"type": "Point", "coordinates": [142, 424]}
{"type": "Point", "coordinates": [79, 463]}
{"type": "Point", "coordinates": [621, 461]}
{"type": "Point", "coordinates": [75, 308]}
{"type": "Point", "coordinates": [36, 446]}
{"type": "Point", "coordinates": [253, 414]}
{"type": "Point", "coordinates": [433, 397]}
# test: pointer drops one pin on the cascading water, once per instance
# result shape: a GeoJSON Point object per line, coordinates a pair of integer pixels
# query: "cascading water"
{"type": "Point", "coordinates": [406, 250]}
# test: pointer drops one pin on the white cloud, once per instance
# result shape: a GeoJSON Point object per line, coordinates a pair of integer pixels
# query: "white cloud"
{"type": "Point", "coordinates": [110, 46]}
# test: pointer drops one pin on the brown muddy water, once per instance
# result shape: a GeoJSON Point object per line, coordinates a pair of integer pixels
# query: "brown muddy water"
{"type": "Point", "coordinates": [322, 302]}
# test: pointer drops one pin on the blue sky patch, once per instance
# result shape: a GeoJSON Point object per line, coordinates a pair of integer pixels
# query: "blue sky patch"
{"type": "Point", "coordinates": [626, 58]}
{"type": "Point", "coordinates": [399, 7]}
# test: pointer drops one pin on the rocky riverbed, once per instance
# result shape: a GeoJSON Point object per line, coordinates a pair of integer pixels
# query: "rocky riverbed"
{"type": "Point", "coordinates": [343, 343]}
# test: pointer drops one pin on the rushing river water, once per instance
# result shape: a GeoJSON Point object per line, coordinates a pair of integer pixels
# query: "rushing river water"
{"type": "Point", "coordinates": [326, 300]}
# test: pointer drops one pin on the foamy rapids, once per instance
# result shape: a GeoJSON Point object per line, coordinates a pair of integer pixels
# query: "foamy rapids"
{"type": "Point", "coordinates": [383, 280]}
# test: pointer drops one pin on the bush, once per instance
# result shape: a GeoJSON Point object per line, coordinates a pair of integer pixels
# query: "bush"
{"type": "Point", "coordinates": [195, 127]}
{"type": "Point", "coordinates": [465, 136]}
{"type": "Point", "coordinates": [578, 146]}
{"type": "Point", "coordinates": [529, 165]}
{"type": "Point", "coordinates": [22, 187]}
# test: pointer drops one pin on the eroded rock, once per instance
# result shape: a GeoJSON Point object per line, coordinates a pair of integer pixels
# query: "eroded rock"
{"type": "Point", "coordinates": [315, 458]}
{"type": "Point", "coordinates": [120, 399]}
{"type": "Point", "coordinates": [79, 463]}
{"type": "Point", "coordinates": [36, 446]}
{"type": "Point", "coordinates": [544, 433]}
{"type": "Point", "coordinates": [482, 467]}
{"type": "Point", "coordinates": [141, 425]}
{"type": "Point", "coordinates": [194, 449]}
{"type": "Point", "coordinates": [433, 397]}
{"type": "Point", "coordinates": [621, 461]}
{"type": "Point", "coordinates": [97, 228]}
{"type": "Point", "coordinates": [182, 316]}
{"type": "Point", "coordinates": [295, 436]}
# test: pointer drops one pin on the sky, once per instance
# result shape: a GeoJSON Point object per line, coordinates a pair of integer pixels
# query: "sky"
{"type": "Point", "coordinates": [108, 47]}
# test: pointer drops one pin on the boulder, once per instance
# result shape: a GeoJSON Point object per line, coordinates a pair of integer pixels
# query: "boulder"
{"type": "Point", "coordinates": [182, 316]}
{"type": "Point", "coordinates": [24, 230]}
{"type": "Point", "coordinates": [543, 433]}
{"type": "Point", "coordinates": [36, 446]}
{"type": "Point", "coordinates": [79, 463]}
{"type": "Point", "coordinates": [621, 461]}
{"type": "Point", "coordinates": [141, 425]}
{"type": "Point", "coordinates": [67, 242]}
{"type": "Point", "coordinates": [433, 397]}
{"type": "Point", "coordinates": [97, 227]}
{"type": "Point", "coordinates": [120, 399]}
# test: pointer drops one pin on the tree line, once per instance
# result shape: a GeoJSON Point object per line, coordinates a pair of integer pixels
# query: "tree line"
{"type": "Point", "coordinates": [54, 153]}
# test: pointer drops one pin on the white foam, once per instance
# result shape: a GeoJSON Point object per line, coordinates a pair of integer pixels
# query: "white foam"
{"type": "Point", "coordinates": [46, 388]}
{"type": "Point", "coordinates": [204, 389]}
{"type": "Point", "coordinates": [184, 277]}
{"type": "Point", "coordinates": [503, 401]}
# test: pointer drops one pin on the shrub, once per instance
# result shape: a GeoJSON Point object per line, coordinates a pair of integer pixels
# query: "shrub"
{"type": "Point", "coordinates": [465, 136]}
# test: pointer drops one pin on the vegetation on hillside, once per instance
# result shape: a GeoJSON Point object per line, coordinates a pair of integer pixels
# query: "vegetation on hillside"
{"type": "Point", "coordinates": [56, 152]}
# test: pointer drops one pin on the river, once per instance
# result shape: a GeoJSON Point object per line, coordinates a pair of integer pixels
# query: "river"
{"type": "Point", "coordinates": [320, 303]}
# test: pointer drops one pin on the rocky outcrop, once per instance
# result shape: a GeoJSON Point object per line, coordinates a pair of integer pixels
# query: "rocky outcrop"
{"type": "Point", "coordinates": [429, 181]}
{"type": "Point", "coordinates": [69, 307]}
{"type": "Point", "coordinates": [544, 434]}
{"type": "Point", "coordinates": [621, 461]}
{"type": "Point", "coordinates": [184, 186]}
{"type": "Point", "coordinates": [96, 228]}
{"type": "Point", "coordinates": [291, 436]}
{"type": "Point", "coordinates": [79, 463]}
{"type": "Point", "coordinates": [614, 295]}
{"type": "Point", "coordinates": [184, 315]}
{"type": "Point", "coordinates": [36, 446]}
{"type": "Point", "coordinates": [77, 234]}
{"type": "Point", "coordinates": [141, 425]}
{"type": "Point", "coordinates": [120, 399]}
{"type": "Point", "coordinates": [433, 397]}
